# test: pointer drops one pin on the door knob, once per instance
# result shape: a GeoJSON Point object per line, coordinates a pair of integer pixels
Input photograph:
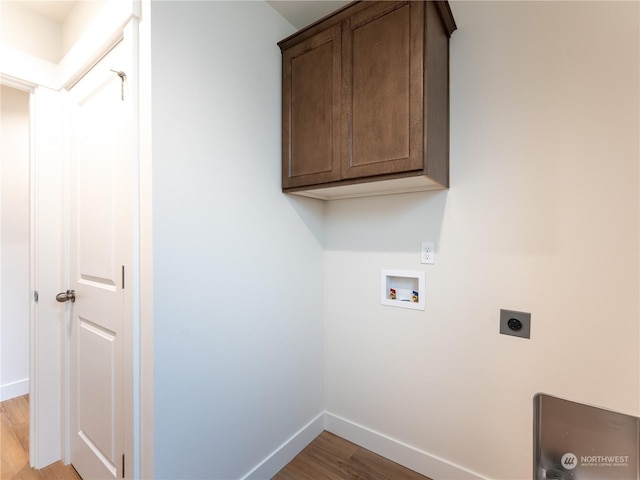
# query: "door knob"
{"type": "Point", "coordinates": [66, 296]}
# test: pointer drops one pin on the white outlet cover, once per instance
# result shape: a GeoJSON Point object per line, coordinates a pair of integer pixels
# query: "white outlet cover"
{"type": "Point", "coordinates": [428, 253]}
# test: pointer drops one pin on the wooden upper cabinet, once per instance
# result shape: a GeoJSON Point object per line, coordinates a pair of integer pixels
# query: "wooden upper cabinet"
{"type": "Point", "coordinates": [365, 101]}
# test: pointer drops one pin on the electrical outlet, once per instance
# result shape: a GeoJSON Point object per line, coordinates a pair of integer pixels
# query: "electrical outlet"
{"type": "Point", "coordinates": [427, 253]}
{"type": "Point", "coordinates": [515, 323]}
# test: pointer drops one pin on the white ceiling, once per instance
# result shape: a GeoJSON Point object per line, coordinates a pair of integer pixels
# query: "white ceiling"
{"type": "Point", "coordinates": [52, 9]}
{"type": "Point", "coordinates": [301, 13]}
{"type": "Point", "coordinates": [298, 13]}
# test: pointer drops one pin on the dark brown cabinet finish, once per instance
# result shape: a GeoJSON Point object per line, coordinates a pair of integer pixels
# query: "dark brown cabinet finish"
{"type": "Point", "coordinates": [365, 101]}
{"type": "Point", "coordinates": [311, 121]}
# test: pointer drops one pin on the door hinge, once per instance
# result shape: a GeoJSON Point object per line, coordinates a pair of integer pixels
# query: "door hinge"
{"type": "Point", "coordinates": [123, 277]}
{"type": "Point", "coordinates": [123, 465]}
{"type": "Point", "coordinates": [35, 296]}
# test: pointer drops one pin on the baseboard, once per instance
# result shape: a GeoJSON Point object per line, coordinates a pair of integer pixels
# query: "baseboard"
{"type": "Point", "coordinates": [406, 455]}
{"type": "Point", "coordinates": [289, 449]}
{"type": "Point", "coordinates": [15, 389]}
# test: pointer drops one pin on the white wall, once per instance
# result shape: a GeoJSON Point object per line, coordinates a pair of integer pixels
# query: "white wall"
{"type": "Point", "coordinates": [542, 216]}
{"type": "Point", "coordinates": [14, 250]}
{"type": "Point", "coordinates": [238, 301]}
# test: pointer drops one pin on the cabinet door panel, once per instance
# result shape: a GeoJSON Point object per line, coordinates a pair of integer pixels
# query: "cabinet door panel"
{"type": "Point", "coordinates": [311, 110]}
{"type": "Point", "coordinates": [383, 90]}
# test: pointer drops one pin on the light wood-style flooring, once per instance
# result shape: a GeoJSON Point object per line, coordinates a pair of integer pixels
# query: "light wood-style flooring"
{"type": "Point", "coordinates": [330, 457]}
{"type": "Point", "coordinates": [14, 446]}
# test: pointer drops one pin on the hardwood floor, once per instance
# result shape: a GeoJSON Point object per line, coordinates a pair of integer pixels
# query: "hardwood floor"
{"type": "Point", "coordinates": [14, 446]}
{"type": "Point", "coordinates": [330, 457]}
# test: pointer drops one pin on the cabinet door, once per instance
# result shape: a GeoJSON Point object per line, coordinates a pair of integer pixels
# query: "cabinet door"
{"type": "Point", "coordinates": [311, 110]}
{"type": "Point", "coordinates": [383, 90]}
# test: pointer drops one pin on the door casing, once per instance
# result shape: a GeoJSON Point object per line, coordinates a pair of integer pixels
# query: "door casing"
{"type": "Point", "coordinates": [49, 360]}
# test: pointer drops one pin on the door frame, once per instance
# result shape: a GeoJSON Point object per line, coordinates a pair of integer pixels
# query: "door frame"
{"type": "Point", "coordinates": [50, 387]}
{"type": "Point", "coordinates": [37, 455]}
{"type": "Point", "coordinates": [45, 270]}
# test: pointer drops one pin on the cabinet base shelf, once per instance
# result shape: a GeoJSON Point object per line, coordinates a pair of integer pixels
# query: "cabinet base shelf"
{"type": "Point", "coordinates": [420, 183]}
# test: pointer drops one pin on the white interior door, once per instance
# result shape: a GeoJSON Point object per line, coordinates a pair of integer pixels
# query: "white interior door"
{"type": "Point", "coordinates": [100, 259]}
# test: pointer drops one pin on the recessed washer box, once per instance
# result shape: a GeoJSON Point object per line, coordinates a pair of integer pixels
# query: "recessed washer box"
{"type": "Point", "coordinates": [402, 288]}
